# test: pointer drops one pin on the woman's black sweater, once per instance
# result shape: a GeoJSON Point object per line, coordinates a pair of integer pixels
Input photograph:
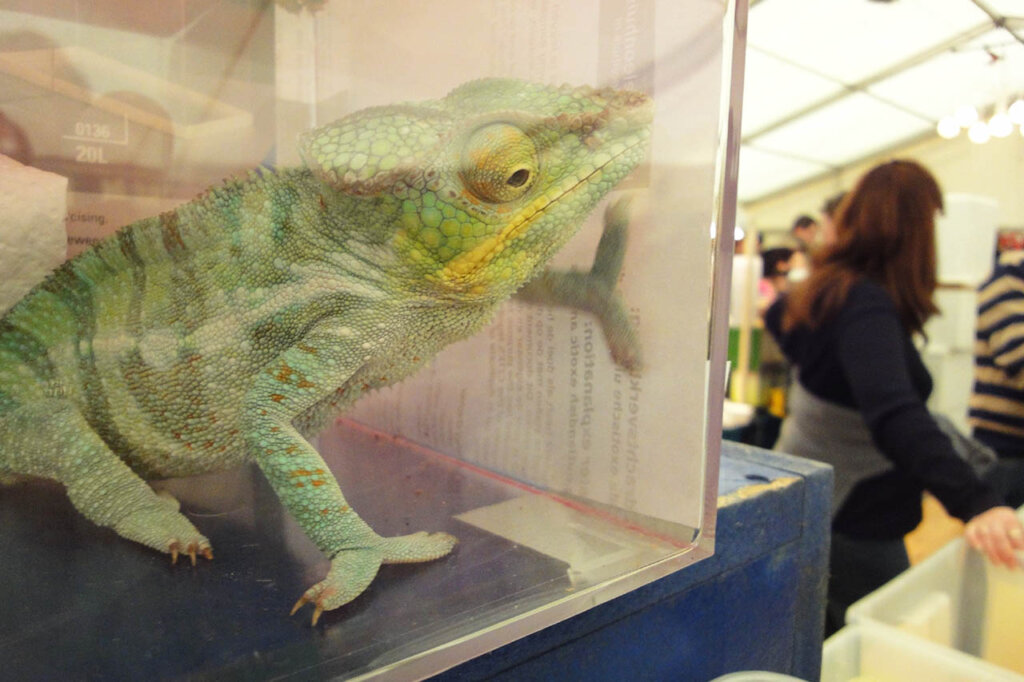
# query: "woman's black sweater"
{"type": "Point", "coordinates": [864, 359]}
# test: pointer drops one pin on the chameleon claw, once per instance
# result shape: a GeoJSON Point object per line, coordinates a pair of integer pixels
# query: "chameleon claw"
{"type": "Point", "coordinates": [299, 604]}
{"type": "Point", "coordinates": [317, 612]}
{"type": "Point", "coordinates": [193, 551]}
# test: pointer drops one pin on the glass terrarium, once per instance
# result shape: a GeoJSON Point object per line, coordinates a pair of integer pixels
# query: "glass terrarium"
{"type": "Point", "coordinates": [569, 476]}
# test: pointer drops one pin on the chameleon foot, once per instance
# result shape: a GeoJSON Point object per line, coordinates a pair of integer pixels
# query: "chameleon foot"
{"type": "Point", "coordinates": [596, 291]}
{"type": "Point", "coordinates": [352, 570]}
{"type": "Point", "coordinates": [192, 549]}
{"type": "Point", "coordinates": [163, 528]}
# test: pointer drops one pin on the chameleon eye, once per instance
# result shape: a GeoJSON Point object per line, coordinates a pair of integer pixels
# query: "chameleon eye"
{"type": "Point", "coordinates": [499, 163]}
{"type": "Point", "coordinates": [520, 177]}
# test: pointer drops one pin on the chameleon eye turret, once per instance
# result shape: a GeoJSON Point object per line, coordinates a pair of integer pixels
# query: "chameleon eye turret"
{"type": "Point", "coordinates": [499, 163]}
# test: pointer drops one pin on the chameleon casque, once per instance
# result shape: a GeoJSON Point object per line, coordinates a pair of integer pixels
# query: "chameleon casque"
{"type": "Point", "coordinates": [234, 327]}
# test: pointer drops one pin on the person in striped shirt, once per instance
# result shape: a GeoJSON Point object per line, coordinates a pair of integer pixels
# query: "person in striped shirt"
{"type": "Point", "coordinates": [997, 401]}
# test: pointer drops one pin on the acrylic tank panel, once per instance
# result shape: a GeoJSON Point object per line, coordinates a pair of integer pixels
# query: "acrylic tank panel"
{"type": "Point", "coordinates": [568, 479]}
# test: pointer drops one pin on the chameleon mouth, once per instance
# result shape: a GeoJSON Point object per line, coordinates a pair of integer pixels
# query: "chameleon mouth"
{"type": "Point", "coordinates": [466, 264]}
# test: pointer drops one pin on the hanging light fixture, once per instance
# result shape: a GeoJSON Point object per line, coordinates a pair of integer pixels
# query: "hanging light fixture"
{"type": "Point", "coordinates": [948, 128]}
{"type": "Point", "coordinates": [993, 121]}
{"type": "Point", "coordinates": [980, 129]}
{"type": "Point", "coordinates": [1016, 112]}
{"type": "Point", "coordinates": [978, 133]}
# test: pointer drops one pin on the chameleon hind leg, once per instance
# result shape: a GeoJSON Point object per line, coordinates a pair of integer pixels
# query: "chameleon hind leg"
{"type": "Point", "coordinates": [54, 440]}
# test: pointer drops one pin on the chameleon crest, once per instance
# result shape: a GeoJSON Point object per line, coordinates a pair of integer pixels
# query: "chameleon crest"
{"type": "Point", "coordinates": [240, 324]}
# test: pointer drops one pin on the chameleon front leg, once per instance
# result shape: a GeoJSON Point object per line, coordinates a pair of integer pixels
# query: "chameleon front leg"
{"type": "Point", "coordinates": [295, 381]}
{"type": "Point", "coordinates": [596, 291]}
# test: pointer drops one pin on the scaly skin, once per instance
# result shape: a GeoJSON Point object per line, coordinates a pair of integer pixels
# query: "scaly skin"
{"type": "Point", "coordinates": [241, 323]}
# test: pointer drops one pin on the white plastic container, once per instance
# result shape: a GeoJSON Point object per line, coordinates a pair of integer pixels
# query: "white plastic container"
{"type": "Point", "coordinates": [966, 238]}
{"type": "Point", "coordinates": [957, 599]}
{"type": "Point", "coordinates": [869, 652]}
{"type": "Point", "coordinates": [1003, 641]}
{"type": "Point", "coordinates": [756, 676]}
{"type": "Point", "coordinates": [954, 327]}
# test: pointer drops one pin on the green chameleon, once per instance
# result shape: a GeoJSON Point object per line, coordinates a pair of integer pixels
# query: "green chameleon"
{"type": "Point", "coordinates": [241, 323]}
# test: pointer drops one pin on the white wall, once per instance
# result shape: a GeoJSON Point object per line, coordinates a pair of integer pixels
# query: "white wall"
{"type": "Point", "coordinates": [994, 169]}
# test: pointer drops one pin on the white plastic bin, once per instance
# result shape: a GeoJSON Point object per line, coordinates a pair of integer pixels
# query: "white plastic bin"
{"type": "Point", "coordinates": [953, 328]}
{"type": "Point", "coordinates": [957, 599]}
{"type": "Point", "coordinates": [756, 676]}
{"type": "Point", "coordinates": [966, 238]}
{"type": "Point", "coordinates": [870, 652]}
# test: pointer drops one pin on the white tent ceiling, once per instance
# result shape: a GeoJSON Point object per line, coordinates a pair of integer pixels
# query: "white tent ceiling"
{"type": "Point", "coordinates": [830, 82]}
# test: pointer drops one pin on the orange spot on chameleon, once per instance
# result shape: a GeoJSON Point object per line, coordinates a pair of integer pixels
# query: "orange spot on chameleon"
{"type": "Point", "coordinates": [276, 397]}
{"type": "Point", "coordinates": [317, 484]}
{"type": "Point", "coordinates": [285, 373]}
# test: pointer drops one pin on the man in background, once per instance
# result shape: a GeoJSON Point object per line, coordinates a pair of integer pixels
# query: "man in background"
{"type": "Point", "coordinates": [805, 229]}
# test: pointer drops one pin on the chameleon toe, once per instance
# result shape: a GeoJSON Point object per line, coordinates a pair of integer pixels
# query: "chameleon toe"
{"type": "Point", "coordinates": [298, 605]}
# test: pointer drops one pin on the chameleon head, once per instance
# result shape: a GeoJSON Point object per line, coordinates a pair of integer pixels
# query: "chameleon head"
{"type": "Point", "coordinates": [488, 183]}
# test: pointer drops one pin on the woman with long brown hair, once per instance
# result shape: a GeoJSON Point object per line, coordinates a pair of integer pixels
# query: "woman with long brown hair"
{"type": "Point", "coordinates": [858, 402]}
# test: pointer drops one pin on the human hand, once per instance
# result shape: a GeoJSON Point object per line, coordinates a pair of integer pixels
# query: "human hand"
{"type": "Point", "coordinates": [997, 533]}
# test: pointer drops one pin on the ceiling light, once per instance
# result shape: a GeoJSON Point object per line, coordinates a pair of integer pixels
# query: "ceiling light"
{"type": "Point", "coordinates": [1000, 125]}
{"type": "Point", "coordinates": [966, 115]}
{"type": "Point", "coordinates": [1016, 112]}
{"type": "Point", "coordinates": [948, 128]}
{"type": "Point", "coordinates": [978, 132]}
